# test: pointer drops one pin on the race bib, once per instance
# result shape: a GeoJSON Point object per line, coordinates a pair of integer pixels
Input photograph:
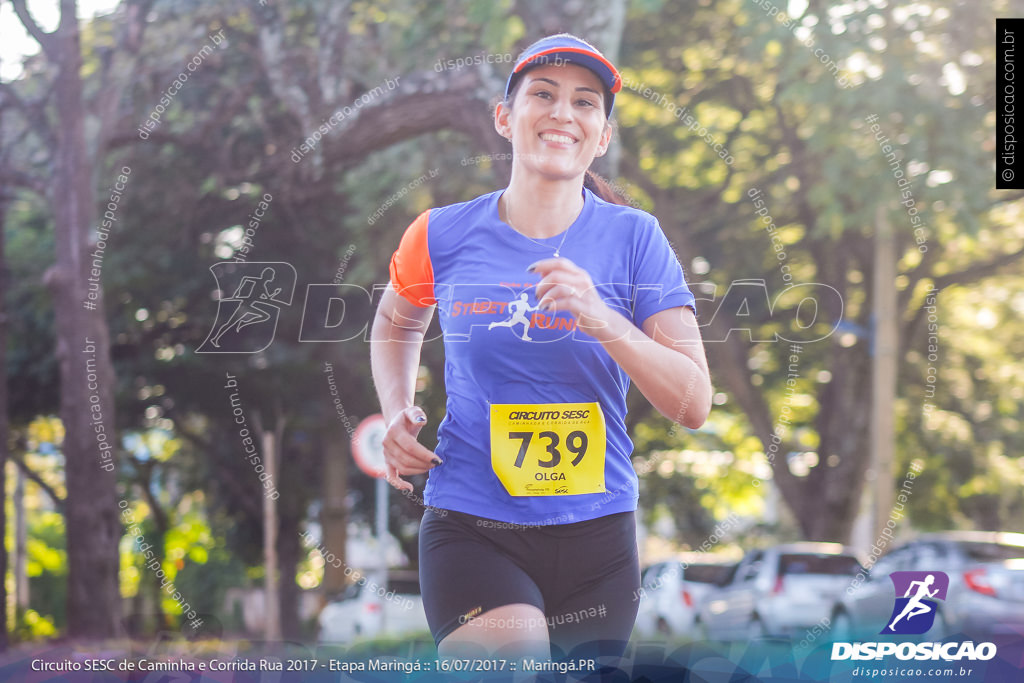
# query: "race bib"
{"type": "Point", "coordinates": [548, 449]}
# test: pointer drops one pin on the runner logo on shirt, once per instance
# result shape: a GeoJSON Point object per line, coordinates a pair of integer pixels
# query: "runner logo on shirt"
{"type": "Point", "coordinates": [517, 308]}
{"type": "Point", "coordinates": [518, 311]}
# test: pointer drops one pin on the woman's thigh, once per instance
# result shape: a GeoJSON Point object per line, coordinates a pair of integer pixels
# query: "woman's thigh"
{"type": "Point", "coordinates": [464, 576]}
{"type": "Point", "coordinates": [591, 606]}
{"type": "Point", "coordinates": [510, 588]}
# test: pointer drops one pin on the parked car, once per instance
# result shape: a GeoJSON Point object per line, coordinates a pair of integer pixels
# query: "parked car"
{"type": "Point", "coordinates": [986, 586]}
{"type": "Point", "coordinates": [670, 593]}
{"type": "Point", "coordinates": [780, 590]}
{"type": "Point", "coordinates": [374, 605]}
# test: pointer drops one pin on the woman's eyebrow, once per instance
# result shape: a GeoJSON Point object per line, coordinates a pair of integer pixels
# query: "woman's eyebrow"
{"type": "Point", "coordinates": [556, 84]}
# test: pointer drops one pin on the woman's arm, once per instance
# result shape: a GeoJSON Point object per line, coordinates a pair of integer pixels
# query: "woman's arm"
{"type": "Point", "coordinates": [665, 360]}
{"type": "Point", "coordinates": [395, 343]}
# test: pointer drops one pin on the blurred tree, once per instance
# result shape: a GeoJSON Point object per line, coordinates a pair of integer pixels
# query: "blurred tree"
{"type": "Point", "coordinates": [82, 341]}
{"type": "Point", "coordinates": [5, 433]}
{"type": "Point", "coordinates": [749, 82]}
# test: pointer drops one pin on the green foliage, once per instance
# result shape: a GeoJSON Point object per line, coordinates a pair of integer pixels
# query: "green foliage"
{"type": "Point", "coordinates": [801, 134]}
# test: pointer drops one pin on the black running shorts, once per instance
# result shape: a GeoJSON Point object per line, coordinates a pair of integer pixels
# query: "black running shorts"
{"type": "Point", "coordinates": [582, 576]}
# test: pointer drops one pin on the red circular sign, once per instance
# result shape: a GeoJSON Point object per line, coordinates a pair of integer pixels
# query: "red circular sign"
{"type": "Point", "coordinates": [368, 445]}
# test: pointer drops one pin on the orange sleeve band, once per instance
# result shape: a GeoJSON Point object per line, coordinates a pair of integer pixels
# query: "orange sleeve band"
{"type": "Point", "coordinates": [412, 274]}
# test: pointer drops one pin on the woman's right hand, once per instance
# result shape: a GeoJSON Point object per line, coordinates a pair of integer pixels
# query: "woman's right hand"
{"type": "Point", "coordinates": [403, 454]}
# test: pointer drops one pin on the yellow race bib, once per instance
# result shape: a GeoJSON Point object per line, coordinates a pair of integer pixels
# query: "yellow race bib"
{"type": "Point", "coordinates": [548, 449]}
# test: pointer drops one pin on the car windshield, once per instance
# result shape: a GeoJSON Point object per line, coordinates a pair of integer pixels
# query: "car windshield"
{"type": "Point", "coordinates": [809, 563]}
{"type": "Point", "coordinates": [991, 552]}
{"type": "Point", "coordinates": [706, 573]}
{"type": "Point", "coordinates": [404, 586]}
{"type": "Point", "coordinates": [351, 591]}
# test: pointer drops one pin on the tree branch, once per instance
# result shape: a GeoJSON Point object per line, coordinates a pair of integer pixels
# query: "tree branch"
{"type": "Point", "coordinates": [977, 271]}
{"type": "Point", "coordinates": [44, 39]}
{"type": "Point", "coordinates": [973, 273]}
{"type": "Point", "coordinates": [285, 85]}
{"type": "Point", "coordinates": [34, 111]}
{"type": "Point", "coordinates": [224, 476]}
{"type": "Point", "coordinates": [1007, 198]}
{"type": "Point", "coordinates": [418, 104]}
{"type": "Point", "coordinates": [119, 68]}
{"type": "Point", "coordinates": [57, 500]}
{"type": "Point", "coordinates": [160, 517]}
{"type": "Point", "coordinates": [10, 177]}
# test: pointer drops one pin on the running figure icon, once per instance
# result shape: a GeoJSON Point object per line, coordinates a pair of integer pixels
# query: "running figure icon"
{"type": "Point", "coordinates": [252, 303]}
{"type": "Point", "coordinates": [518, 309]}
{"type": "Point", "coordinates": [914, 606]}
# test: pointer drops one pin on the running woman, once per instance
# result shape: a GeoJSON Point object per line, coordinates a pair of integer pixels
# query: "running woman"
{"type": "Point", "coordinates": [528, 543]}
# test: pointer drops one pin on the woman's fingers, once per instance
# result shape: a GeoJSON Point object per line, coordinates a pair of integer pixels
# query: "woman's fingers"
{"type": "Point", "coordinates": [564, 286]}
{"type": "Point", "coordinates": [391, 477]}
{"type": "Point", "coordinates": [403, 454]}
{"type": "Point", "coordinates": [409, 460]}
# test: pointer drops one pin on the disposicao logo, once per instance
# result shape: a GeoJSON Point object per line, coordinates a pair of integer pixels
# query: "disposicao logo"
{"type": "Point", "coordinates": [247, 319]}
{"type": "Point", "coordinates": [914, 613]}
{"type": "Point", "coordinates": [916, 604]}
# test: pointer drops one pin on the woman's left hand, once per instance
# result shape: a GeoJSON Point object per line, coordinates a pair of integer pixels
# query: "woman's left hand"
{"type": "Point", "coordinates": [665, 358]}
{"type": "Point", "coordinates": [564, 286]}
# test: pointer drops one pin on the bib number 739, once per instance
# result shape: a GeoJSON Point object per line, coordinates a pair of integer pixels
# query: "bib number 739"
{"type": "Point", "coordinates": [548, 449]}
{"type": "Point", "coordinates": [575, 443]}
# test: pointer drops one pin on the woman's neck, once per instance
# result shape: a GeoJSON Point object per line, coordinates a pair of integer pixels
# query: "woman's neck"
{"type": "Point", "coordinates": [541, 208]}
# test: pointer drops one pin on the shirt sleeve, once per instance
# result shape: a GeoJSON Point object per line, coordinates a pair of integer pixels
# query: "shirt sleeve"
{"type": "Point", "coordinates": [412, 273]}
{"type": "Point", "coordinates": [657, 276]}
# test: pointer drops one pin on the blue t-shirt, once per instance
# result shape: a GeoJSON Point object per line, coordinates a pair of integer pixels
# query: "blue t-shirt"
{"type": "Point", "coordinates": [473, 266]}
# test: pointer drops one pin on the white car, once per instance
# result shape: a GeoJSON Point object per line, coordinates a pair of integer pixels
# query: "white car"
{"type": "Point", "coordinates": [670, 593]}
{"type": "Point", "coordinates": [985, 595]}
{"type": "Point", "coordinates": [781, 590]}
{"type": "Point", "coordinates": [374, 606]}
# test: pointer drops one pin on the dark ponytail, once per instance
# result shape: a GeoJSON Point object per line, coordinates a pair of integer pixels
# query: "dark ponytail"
{"type": "Point", "coordinates": [603, 189]}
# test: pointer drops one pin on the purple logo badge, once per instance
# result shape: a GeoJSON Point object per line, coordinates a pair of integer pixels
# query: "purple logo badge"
{"type": "Point", "coordinates": [917, 596]}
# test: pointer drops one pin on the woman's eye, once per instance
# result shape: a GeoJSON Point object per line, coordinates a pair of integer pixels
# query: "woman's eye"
{"type": "Point", "coordinates": [543, 94]}
{"type": "Point", "coordinates": [586, 103]}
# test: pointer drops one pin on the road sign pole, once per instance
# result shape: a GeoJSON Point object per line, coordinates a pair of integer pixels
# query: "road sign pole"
{"type": "Point", "coordinates": [382, 518]}
{"type": "Point", "coordinates": [368, 451]}
{"type": "Point", "coordinates": [382, 531]}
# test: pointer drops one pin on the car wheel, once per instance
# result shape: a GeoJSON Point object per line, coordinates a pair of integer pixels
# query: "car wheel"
{"type": "Point", "coordinates": [756, 631]}
{"type": "Point", "coordinates": [940, 627]}
{"type": "Point", "coordinates": [842, 626]}
{"type": "Point", "coordinates": [701, 630]}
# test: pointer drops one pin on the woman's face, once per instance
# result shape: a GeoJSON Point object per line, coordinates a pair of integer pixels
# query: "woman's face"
{"type": "Point", "coordinates": [556, 123]}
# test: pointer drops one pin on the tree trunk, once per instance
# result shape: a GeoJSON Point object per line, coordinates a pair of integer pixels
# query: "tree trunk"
{"type": "Point", "coordinates": [21, 590]}
{"type": "Point", "coordinates": [271, 603]}
{"type": "Point", "coordinates": [825, 502]}
{"type": "Point", "coordinates": [289, 594]}
{"type": "Point", "coordinates": [334, 515]}
{"type": "Point", "coordinates": [4, 424]}
{"type": "Point", "coordinates": [83, 352]}
{"type": "Point", "coordinates": [158, 539]}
